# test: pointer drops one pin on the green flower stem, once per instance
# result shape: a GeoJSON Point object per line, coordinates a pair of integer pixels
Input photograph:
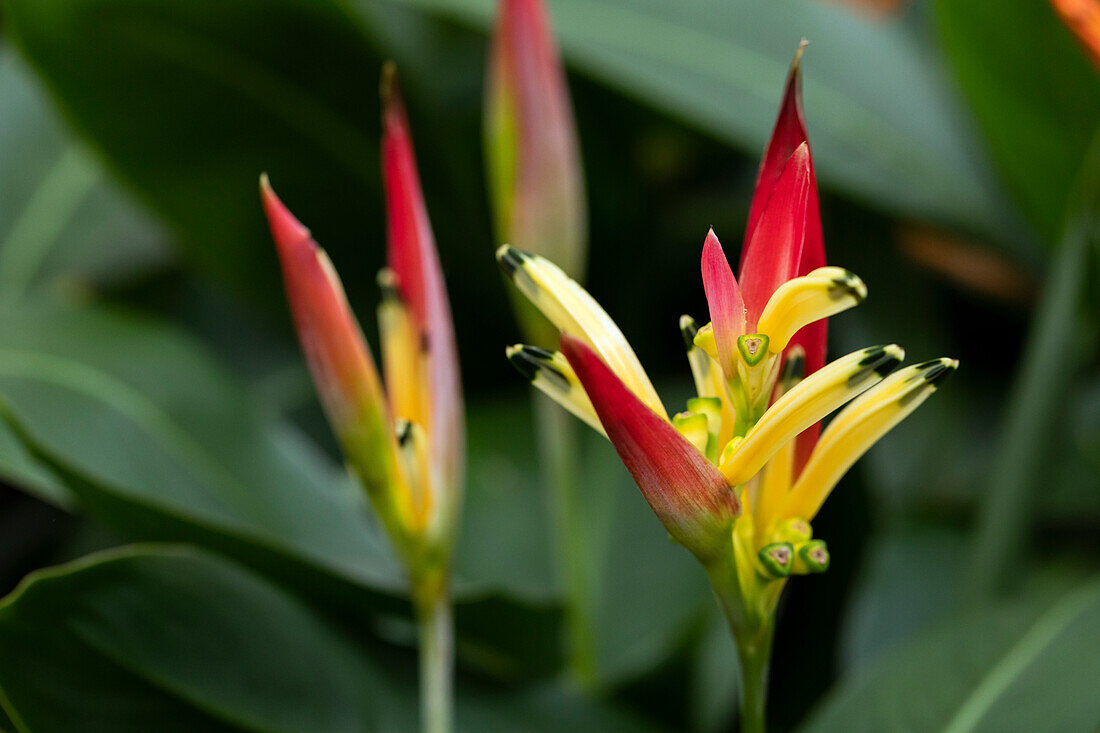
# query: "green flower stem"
{"type": "Point", "coordinates": [436, 627]}
{"type": "Point", "coordinates": [755, 653]}
{"type": "Point", "coordinates": [753, 636]}
{"type": "Point", "coordinates": [558, 450]}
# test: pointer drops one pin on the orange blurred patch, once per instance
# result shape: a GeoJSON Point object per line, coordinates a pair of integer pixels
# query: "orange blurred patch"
{"type": "Point", "coordinates": [966, 263]}
{"type": "Point", "coordinates": [1083, 18]}
{"type": "Point", "coordinates": [879, 8]}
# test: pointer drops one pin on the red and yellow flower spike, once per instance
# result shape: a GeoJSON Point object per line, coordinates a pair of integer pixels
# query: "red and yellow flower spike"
{"type": "Point", "coordinates": [416, 284]}
{"type": "Point", "coordinates": [404, 441]}
{"type": "Point", "coordinates": [532, 154]}
{"type": "Point", "coordinates": [737, 477]}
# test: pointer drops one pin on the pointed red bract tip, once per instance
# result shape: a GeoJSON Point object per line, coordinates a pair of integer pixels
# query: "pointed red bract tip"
{"type": "Point", "coordinates": [285, 228]}
{"type": "Point", "coordinates": [339, 361]}
{"type": "Point", "coordinates": [411, 254]}
{"type": "Point", "coordinates": [533, 155]}
{"type": "Point", "coordinates": [727, 309]}
{"type": "Point", "coordinates": [686, 492]}
{"type": "Point", "coordinates": [775, 252]}
{"type": "Point", "coordinates": [789, 132]}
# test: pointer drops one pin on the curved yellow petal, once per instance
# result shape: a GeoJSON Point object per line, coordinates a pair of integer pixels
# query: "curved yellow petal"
{"type": "Point", "coordinates": [822, 293]}
{"type": "Point", "coordinates": [551, 374]}
{"type": "Point", "coordinates": [858, 427]}
{"type": "Point", "coordinates": [569, 307]}
{"type": "Point", "coordinates": [810, 400]}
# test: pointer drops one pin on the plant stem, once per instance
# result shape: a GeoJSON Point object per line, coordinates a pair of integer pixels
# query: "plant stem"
{"type": "Point", "coordinates": [436, 627]}
{"type": "Point", "coordinates": [752, 634]}
{"type": "Point", "coordinates": [558, 450]}
{"type": "Point", "coordinates": [755, 655]}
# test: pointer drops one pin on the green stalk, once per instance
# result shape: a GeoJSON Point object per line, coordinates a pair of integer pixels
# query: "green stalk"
{"type": "Point", "coordinates": [436, 628]}
{"type": "Point", "coordinates": [1051, 360]}
{"type": "Point", "coordinates": [558, 449]}
{"type": "Point", "coordinates": [753, 637]}
{"type": "Point", "coordinates": [755, 654]}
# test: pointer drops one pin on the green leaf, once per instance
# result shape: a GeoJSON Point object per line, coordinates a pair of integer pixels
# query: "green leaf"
{"type": "Point", "coordinates": [1053, 356]}
{"type": "Point", "coordinates": [164, 637]}
{"type": "Point", "coordinates": [1034, 93]}
{"type": "Point", "coordinates": [909, 581]}
{"type": "Point", "coordinates": [190, 100]}
{"type": "Point", "coordinates": [169, 638]}
{"type": "Point", "coordinates": [1030, 665]}
{"type": "Point", "coordinates": [883, 121]}
{"type": "Point", "coordinates": [59, 216]}
{"type": "Point", "coordinates": [153, 437]}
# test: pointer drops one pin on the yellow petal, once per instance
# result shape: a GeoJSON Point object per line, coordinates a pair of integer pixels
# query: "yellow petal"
{"type": "Point", "coordinates": [810, 400]}
{"type": "Point", "coordinates": [551, 374]}
{"type": "Point", "coordinates": [413, 452]}
{"type": "Point", "coordinates": [824, 292]}
{"type": "Point", "coordinates": [569, 307]}
{"type": "Point", "coordinates": [858, 427]}
{"type": "Point", "coordinates": [403, 363]}
{"type": "Point", "coordinates": [775, 484]}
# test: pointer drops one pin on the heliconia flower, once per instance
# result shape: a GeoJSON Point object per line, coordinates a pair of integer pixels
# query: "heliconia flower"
{"type": "Point", "coordinates": [426, 345]}
{"type": "Point", "coordinates": [532, 154]}
{"type": "Point", "coordinates": [732, 458]}
{"type": "Point", "coordinates": [403, 440]}
{"type": "Point", "coordinates": [1083, 18]}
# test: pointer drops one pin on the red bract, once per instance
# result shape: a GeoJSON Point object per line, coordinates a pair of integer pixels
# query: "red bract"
{"type": "Point", "coordinates": [687, 493]}
{"type": "Point", "coordinates": [534, 165]}
{"type": "Point", "coordinates": [412, 256]}
{"type": "Point", "coordinates": [338, 358]}
{"type": "Point", "coordinates": [789, 133]}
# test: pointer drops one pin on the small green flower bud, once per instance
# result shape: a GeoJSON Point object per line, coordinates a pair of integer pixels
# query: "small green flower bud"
{"type": "Point", "coordinates": [811, 557]}
{"type": "Point", "coordinates": [774, 561]}
{"type": "Point", "coordinates": [753, 347]}
{"type": "Point", "coordinates": [794, 530]}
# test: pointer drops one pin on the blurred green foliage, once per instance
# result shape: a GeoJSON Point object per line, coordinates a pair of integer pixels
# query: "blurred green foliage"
{"type": "Point", "coordinates": [151, 390]}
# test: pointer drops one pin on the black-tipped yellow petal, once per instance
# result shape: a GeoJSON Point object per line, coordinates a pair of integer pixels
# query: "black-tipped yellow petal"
{"type": "Point", "coordinates": [412, 449]}
{"type": "Point", "coordinates": [551, 374]}
{"type": "Point", "coordinates": [824, 292]}
{"type": "Point", "coordinates": [807, 402]}
{"type": "Point", "coordinates": [858, 427]}
{"type": "Point", "coordinates": [572, 310]}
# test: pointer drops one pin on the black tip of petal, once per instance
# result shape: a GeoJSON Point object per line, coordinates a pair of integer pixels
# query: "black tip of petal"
{"type": "Point", "coordinates": [939, 372]}
{"type": "Point", "coordinates": [510, 259]}
{"type": "Point", "coordinates": [795, 368]}
{"type": "Point", "coordinates": [688, 329]}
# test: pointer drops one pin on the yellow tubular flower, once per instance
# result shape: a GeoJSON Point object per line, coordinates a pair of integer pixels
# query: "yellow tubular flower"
{"type": "Point", "coordinates": [809, 401]}
{"type": "Point", "coordinates": [569, 307]}
{"type": "Point", "coordinates": [824, 292]}
{"type": "Point", "coordinates": [858, 427]}
{"type": "Point", "coordinates": [551, 374]}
